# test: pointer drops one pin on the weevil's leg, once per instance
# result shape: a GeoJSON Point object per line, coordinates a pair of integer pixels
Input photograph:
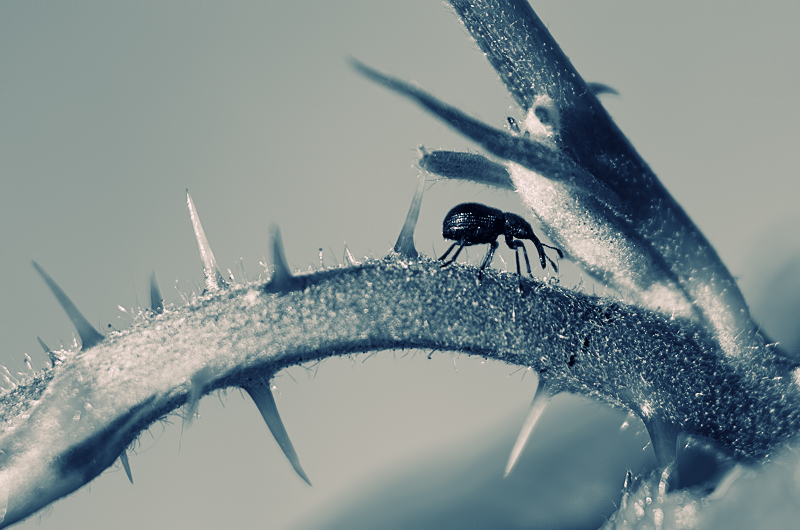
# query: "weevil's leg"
{"type": "Point", "coordinates": [512, 244]}
{"type": "Point", "coordinates": [516, 255]}
{"type": "Point", "coordinates": [527, 261]}
{"type": "Point", "coordinates": [460, 248]}
{"type": "Point", "coordinates": [515, 244]}
{"type": "Point", "coordinates": [448, 251]}
{"type": "Point", "coordinates": [552, 263]}
{"type": "Point", "coordinates": [488, 259]}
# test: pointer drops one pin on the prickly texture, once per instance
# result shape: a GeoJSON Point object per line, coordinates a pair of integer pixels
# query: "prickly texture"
{"type": "Point", "coordinates": [708, 374]}
{"type": "Point", "coordinates": [98, 400]}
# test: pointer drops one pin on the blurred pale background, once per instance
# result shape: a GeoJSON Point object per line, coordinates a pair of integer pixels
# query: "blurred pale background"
{"type": "Point", "coordinates": [110, 110]}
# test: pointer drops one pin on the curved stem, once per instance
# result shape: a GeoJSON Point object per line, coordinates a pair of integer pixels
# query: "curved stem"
{"type": "Point", "coordinates": [64, 429]}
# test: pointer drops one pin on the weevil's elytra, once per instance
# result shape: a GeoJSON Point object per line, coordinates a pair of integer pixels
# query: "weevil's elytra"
{"type": "Point", "coordinates": [471, 223]}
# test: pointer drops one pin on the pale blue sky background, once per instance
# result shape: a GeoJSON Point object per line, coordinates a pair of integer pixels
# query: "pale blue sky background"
{"type": "Point", "coordinates": [110, 110]}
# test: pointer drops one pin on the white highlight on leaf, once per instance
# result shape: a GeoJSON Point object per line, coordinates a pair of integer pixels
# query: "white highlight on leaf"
{"type": "Point", "coordinates": [543, 120]}
{"type": "Point", "coordinates": [583, 223]}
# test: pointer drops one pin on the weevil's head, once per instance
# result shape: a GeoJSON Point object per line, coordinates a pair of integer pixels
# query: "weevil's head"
{"type": "Point", "coordinates": [518, 227]}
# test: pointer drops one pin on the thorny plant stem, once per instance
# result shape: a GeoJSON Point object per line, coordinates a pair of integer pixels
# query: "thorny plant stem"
{"type": "Point", "coordinates": [587, 345]}
{"type": "Point", "coordinates": [712, 377]}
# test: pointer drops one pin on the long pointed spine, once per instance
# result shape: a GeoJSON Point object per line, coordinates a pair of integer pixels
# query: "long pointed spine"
{"type": "Point", "coordinates": [540, 400]}
{"type": "Point", "coordinates": [88, 335]}
{"type": "Point", "coordinates": [282, 281]}
{"type": "Point", "coordinates": [663, 435]}
{"type": "Point", "coordinates": [199, 382]}
{"type": "Point", "coordinates": [123, 457]}
{"type": "Point", "coordinates": [348, 256]}
{"type": "Point", "coordinates": [50, 353]}
{"type": "Point", "coordinates": [405, 242]}
{"type": "Point", "coordinates": [262, 396]}
{"type": "Point", "coordinates": [213, 277]}
{"type": "Point", "coordinates": [156, 301]}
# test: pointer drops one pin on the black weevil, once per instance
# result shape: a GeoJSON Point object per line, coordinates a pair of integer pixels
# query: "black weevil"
{"type": "Point", "coordinates": [471, 223]}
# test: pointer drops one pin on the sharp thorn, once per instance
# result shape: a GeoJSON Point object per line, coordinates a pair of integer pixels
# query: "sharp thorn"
{"type": "Point", "coordinates": [213, 278]}
{"type": "Point", "coordinates": [123, 457]}
{"type": "Point", "coordinates": [262, 396]}
{"type": "Point", "coordinates": [54, 358]}
{"type": "Point", "coordinates": [405, 242]}
{"type": "Point", "coordinates": [199, 381]}
{"type": "Point", "coordinates": [44, 346]}
{"type": "Point", "coordinates": [89, 336]}
{"type": "Point", "coordinates": [348, 256]}
{"type": "Point", "coordinates": [601, 88]}
{"type": "Point", "coordinates": [282, 280]}
{"type": "Point", "coordinates": [664, 437]}
{"type": "Point", "coordinates": [540, 400]}
{"type": "Point", "coordinates": [156, 301]}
